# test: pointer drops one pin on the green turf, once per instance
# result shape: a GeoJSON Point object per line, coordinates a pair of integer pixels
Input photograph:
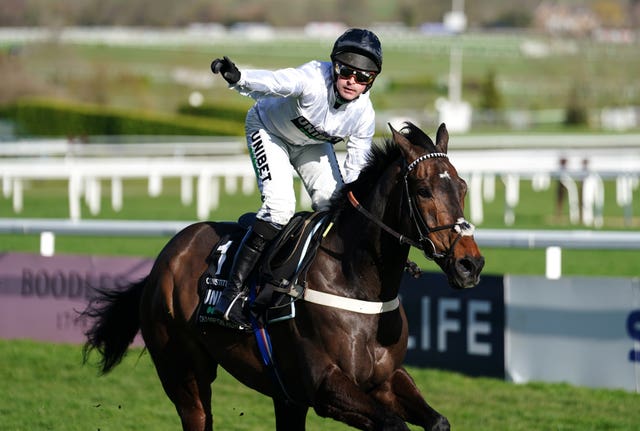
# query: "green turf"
{"type": "Point", "coordinates": [45, 387]}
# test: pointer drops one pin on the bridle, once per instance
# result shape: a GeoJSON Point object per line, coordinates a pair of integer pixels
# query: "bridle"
{"type": "Point", "coordinates": [424, 243]}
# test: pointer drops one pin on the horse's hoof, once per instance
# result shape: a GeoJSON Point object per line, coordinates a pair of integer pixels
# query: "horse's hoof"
{"type": "Point", "coordinates": [441, 425]}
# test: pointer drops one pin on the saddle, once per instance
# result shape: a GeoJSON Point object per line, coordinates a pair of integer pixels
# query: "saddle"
{"type": "Point", "coordinates": [279, 277]}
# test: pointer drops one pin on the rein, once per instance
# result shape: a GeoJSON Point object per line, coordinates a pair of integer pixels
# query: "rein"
{"type": "Point", "coordinates": [461, 226]}
{"type": "Point", "coordinates": [403, 239]}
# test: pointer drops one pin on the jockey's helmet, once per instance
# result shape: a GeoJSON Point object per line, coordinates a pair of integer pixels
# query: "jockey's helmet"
{"type": "Point", "coordinates": [358, 48]}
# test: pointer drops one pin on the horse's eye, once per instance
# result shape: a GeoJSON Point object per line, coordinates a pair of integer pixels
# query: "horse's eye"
{"type": "Point", "coordinates": [424, 192]}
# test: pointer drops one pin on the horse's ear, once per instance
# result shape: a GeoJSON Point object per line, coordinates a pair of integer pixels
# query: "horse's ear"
{"type": "Point", "coordinates": [442, 139]}
{"type": "Point", "coordinates": [408, 149]}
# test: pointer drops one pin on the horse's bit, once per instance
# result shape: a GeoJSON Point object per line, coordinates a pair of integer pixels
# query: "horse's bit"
{"type": "Point", "coordinates": [424, 243]}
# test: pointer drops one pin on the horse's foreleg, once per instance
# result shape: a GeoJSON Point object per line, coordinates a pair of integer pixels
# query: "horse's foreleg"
{"type": "Point", "coordinates": [402, 396]}
{"type": "Point", "coordinates": [339, 398]}
{"type": "Point", "coordinates": [289, 417]}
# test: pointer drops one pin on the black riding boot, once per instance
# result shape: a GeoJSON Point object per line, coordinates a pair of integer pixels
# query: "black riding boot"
{"type": "Point", "coordinates": [248, 254]}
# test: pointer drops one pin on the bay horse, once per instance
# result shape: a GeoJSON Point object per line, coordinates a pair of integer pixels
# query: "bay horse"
{"type": "Point", "coordinates": [346, 364]}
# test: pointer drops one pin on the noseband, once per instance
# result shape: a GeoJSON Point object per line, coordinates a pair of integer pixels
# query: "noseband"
{"type": "Point", "coordinates": [424, 243]}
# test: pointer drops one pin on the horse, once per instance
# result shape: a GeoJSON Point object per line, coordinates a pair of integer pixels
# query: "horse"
{"type": "Point", "coordinates": [344, 362]}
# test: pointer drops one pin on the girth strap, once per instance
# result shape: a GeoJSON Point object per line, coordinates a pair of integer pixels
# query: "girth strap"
{"type": "Point", "coordinates": [350, 304]}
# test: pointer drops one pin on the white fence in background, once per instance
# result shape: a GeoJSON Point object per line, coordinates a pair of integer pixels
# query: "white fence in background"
{"type": "Point", "coordinates": [508, 238]}
{"type": "Point", "coordinates": [552, 241]}
{"type": "Point", "coordinates": [124, 146]}
{"type": "Point", "coordinates": [481, 168]}
{"type": "Point", "coordinates": [158, 146]}
{"type": "Point", "coordinates": [85, 177]}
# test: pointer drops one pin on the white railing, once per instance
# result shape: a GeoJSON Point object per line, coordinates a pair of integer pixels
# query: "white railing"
{"type": "Point", "coordinates": [92, 227]}
{"type": "Point", "coordinates": [482, 160]}
{"type": "Point", "coordinates": [551, 240]}
{"type": "Point", "coordinates": [140, 146]}
{"type": "Point", "coordinates": [516, 238]}
{"type": "Point", "coordinates": [167, 146]}
{"type": "Point", "coordinates": [85, 175]}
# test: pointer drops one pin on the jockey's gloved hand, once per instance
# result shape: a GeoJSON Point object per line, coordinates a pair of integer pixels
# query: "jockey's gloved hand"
{"type": "Point", "coordinates": [226, 68]}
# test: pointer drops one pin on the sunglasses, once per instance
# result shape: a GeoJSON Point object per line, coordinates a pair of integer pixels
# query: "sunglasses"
{"type": "Point", "coordinates": [347, 72]}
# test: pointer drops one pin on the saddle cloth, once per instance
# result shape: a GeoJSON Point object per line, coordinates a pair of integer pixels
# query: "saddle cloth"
{"type": "Point", "coordinates": [279, 277]}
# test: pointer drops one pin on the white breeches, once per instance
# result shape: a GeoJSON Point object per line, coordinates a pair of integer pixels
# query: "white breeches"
{"type": "Point", "coordinates": [274, 160]}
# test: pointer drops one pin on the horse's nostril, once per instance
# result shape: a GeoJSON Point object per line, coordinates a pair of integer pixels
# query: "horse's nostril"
{"type": "Point", "coordinates": [465, 265]}
{"type": "Point", "coordinates": [471, 265]}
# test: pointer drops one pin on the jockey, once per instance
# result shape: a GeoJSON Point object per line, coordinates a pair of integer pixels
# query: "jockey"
{"type": "Point", "coordinates": [300, 114]}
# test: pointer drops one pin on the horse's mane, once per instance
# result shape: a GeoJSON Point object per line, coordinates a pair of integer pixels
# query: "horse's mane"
{"type": "Point", "coordinates": [378, 159]}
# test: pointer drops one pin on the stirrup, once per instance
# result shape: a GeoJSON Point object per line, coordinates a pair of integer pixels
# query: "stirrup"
{"type": "Point", "coordinates": [227, 312]}
{"type": "Point", "coordinates": [234, 312]}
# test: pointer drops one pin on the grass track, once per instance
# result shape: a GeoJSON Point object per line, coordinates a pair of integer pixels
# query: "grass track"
{"type": "Point", "coordinates": [45, 387]}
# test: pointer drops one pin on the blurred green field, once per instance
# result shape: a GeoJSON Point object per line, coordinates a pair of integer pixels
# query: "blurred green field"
{"type": "Point", "coordinates": [48, 199]}
{"type": "Point", "coordinates": [46, 387]}
{"type": "Point", "coordinates": [161, 77]}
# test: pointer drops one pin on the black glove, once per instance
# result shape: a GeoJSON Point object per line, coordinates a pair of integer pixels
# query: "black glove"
{"type": "Point", "coordinates": [226, 68]}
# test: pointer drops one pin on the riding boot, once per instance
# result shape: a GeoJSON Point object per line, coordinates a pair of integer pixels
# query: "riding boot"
{"type": "Point", "coordinates": [248, 254]}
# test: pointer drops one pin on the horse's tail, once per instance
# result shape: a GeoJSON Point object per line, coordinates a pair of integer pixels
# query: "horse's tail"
{"type": "Point", "coordinates": [116, 321]}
